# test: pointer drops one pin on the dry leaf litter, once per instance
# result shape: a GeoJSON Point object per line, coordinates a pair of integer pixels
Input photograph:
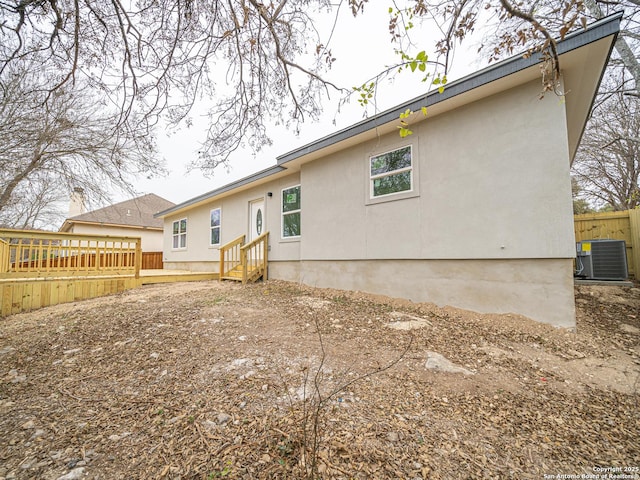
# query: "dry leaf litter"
{"type": "Point", "coordinates": [275, 380]}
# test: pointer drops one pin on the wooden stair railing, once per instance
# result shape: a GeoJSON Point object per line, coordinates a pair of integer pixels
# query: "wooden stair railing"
{"type": "Point", "coordinates": [244, 263]}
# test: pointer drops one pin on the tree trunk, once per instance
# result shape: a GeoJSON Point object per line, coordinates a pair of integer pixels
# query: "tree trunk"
{"type": "Point", "coordinates": [622, 47]}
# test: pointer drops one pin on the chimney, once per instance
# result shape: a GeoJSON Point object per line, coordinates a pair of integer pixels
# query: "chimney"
{"type": "Point", "coordinates": [77, 203]}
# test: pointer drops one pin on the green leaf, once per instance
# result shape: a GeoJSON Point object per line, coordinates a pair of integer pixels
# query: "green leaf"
{"type": "Point", "coordinates": [441, 89]}
{"type": "Point", "coordinates": [422, 67]}
{"type": "Point", "coordinates": [413, 66]}
{"type": "Point", "coordinates": [405, 132]}
{"type": "Point", "coordinates": [424, 111]}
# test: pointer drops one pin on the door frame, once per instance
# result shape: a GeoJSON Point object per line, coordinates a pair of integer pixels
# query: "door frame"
{"type": "Point", "coordinates": [256, 201]}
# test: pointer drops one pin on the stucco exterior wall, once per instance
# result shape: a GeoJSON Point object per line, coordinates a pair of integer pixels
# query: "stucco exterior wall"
{"type": "Point", "coordinates": [541, 289]}
{"type": "Point", "coordinates": [151, 240]}
{"type": "Point", "coordinates": [486, 187]}
{"type": "Point", "coordinates": [234, 222]}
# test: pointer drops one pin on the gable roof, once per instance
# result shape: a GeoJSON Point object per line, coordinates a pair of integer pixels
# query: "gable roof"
{"type": "Point", "coordinates": [585, 53]}
{"type": "Point", "coordinates": [135, 213]}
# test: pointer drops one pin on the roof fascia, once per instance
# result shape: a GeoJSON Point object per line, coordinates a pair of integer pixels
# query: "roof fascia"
{"type": "Point", "coordinates": [107, 224]}
{"type": "Point", "coordinates": [596, 31]}
{"type": "Point", "coordinates": [227, 188]}
{"type": "Point", "coordinates": [616, 17]}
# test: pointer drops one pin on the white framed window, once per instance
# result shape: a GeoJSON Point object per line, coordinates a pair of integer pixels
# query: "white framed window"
{"type": "Point", "coordinates": [391, 172]}
{"type": "Point", "coordinates": [180, 234]}
{"type": "Point", "coordinates": [215, 226]}
{"type": "Point", "coordinates": [291, 212]}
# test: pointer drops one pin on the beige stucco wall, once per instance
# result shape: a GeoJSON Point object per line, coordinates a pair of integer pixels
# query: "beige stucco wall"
{"type": "Point", "coordinates": [234, 222]}
{"type": "Point", "coordinates": [493, 182]}
{"type": "Point", "coordinates": [151, 240]}
{"type": "Point", "coordinates": [539, 289]}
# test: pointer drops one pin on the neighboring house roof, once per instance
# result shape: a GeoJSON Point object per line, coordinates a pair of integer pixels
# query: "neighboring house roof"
{"type": "Point", "coordinates": [581, 88]}
{"type": "Point", "coordinates": [135, 213]}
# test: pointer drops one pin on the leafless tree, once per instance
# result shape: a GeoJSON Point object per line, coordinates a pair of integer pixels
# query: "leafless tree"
{"type": "Point", "coordinates": [624, 67]}
{"type": "Point", "coordinates": [155, 57]}
{"type": "Point", "coordinates": [607, 166]}
{"type": "Point", "coordinates": [52, 141]}
{"type": "Point", "coordinates": [37, 203]}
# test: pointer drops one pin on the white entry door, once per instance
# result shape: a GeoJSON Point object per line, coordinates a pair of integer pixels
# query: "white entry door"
{"type": "Point", "coordinates": [258, 219]}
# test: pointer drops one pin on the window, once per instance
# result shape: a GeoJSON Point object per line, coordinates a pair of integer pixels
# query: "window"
{"type": "Point", "coordinates": [391, 172]}
{"type": "Point", "coordinates": [180, 234]}
{"type": "Point", "coordinates": [214, 238]}
{"type": "Point", "coordinates": [291, 212]}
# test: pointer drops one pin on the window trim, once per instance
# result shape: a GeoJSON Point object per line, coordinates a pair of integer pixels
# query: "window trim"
{"type": "Point", "coordinates": [283, 213]}
{"type": "Point", "coordinates": [179, 234]}
{"type": "Point", "coordinates": [219, 227]}
{"type": "Point", "coordinates": [414, 191]}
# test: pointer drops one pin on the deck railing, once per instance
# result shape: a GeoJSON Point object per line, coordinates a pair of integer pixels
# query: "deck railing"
{"type": "Point", "coordinates": [34, 254]}
{"type": "Point", "coordinates": [230, 255]}
{"type": "Point", "coordinates": [254, 258]}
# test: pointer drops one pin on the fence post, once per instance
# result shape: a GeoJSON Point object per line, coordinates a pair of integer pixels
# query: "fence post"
{"type": "Point", "coordinates": [4, 256]}
{"type": "Point", "coordinates": [138, 257]}
{"type": "Point", "coordinates": [634, 222]}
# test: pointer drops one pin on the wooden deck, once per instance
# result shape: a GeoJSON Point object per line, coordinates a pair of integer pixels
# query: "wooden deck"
{"type": "Point", "coordinates": [25, 294]}
{"type": "Point", "coordinates": [38, 269]}
{"type": "Point", "coordinates": [148, 277]}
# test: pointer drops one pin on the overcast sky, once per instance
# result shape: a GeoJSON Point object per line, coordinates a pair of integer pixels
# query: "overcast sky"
{"type": "Point", "coordinates": [362, 48]}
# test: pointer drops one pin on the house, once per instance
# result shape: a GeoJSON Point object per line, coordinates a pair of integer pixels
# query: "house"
{"type": "Point", "coordinates": [473, 210]}
{"type": "Point", "coordinates": [131, 218]}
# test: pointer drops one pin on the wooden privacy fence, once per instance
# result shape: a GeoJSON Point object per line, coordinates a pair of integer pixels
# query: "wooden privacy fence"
{"type": "Point", "coordinates": [45, 268]}
{"type": "Point", "coordinates": [152, 261]}
{"type": "Point", "coordinates": [615, 226]}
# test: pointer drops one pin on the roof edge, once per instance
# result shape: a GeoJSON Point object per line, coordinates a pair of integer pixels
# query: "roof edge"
{"type": "Point", "coordinates": [596, 31]}
{"type": "Point", "coordinates": [71, 222]}
{"type": "Point", "coordinates": [267, 172]}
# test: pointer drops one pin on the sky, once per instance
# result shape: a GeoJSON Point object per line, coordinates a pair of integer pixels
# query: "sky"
{"type": "Point", "coordinates": [362, 48]}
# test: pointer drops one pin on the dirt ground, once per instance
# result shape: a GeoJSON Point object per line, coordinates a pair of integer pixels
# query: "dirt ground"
{"type": "Point", "coordinates": [214, 380]}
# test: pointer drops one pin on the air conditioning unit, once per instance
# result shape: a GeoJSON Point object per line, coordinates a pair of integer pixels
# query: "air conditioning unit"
{"type": "Point", "coordinates": [601, 260]}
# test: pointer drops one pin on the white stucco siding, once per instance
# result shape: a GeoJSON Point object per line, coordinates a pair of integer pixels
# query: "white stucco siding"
{"type": "Point", "coordinates": [497, 182]}
{"type": "Point", "coordinates": [234, 222]}
{"type": "Point", "coordinates": [486, 188]}
{"type": "Point", "coordinates": [333, 216]}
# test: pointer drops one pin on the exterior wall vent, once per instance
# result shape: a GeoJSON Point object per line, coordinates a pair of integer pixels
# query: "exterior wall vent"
{"type": "Point", "coordinates": [601, 260]}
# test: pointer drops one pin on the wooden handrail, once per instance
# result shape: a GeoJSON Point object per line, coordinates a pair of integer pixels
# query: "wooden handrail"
{"type": "Point", "coordinates": [28, 253]}
{"type": "Point", "coordinates": [254, 256]}
{"type": "Point", "coordinates": [230, 255]}
{"type": "Point", "coordinates": [255, 241]}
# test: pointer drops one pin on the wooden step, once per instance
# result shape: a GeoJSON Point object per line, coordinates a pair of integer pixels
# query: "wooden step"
{"type": "Point", "coordinates": [236, 274]}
